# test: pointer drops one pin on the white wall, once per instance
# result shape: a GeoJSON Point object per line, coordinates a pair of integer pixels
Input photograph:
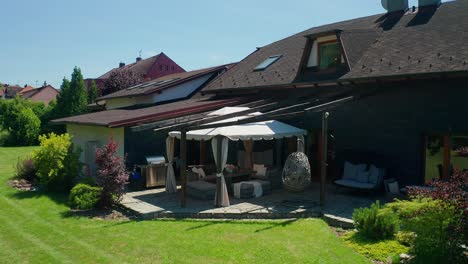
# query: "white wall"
{"type": "Point", "coordinates": [313, 57]}
{"type": "Point", "coordinates": [82, 134]}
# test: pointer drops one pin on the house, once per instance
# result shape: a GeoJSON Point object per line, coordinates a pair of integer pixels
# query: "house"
{"type": "Point", "coordinates": [151, 68]}
{"type": "Point", "coordinates": [164, 98]}
{"type": "Point", "coordinates": [394, 85]}
{"type": "Point", "coordinates": [10, 91]}
{"type": "Point", "coordinates": [407, 70]}
{"type": "Point", "coordinates": [43, 94]}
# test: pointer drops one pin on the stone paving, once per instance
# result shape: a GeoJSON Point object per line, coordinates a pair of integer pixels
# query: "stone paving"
{"type": "Point", "coordinates": [156, 203]}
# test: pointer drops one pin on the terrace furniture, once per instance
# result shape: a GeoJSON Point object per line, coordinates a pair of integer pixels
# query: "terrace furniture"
{"type": "Point", "coordinates": [358, 176]}
{"type": "Point", "coordinates": [251, 189]}
{"type": "Point", "coordinates": [202, 190]}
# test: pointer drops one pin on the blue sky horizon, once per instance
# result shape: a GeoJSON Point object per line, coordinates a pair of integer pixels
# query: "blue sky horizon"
{"type": "Point", "coordinates": [44, 40]}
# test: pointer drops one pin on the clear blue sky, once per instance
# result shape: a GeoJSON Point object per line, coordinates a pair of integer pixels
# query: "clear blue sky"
{"type": "Point", "coordinates": [44, 40]}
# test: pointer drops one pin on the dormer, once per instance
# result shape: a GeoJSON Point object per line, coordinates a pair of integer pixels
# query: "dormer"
{"type": "Point", "coordinates": [325, 58]}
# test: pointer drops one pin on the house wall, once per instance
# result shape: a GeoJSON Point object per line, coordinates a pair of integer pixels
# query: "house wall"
{"type": "Point", "coordinates": [163, 60]}
{"type": "Point", "coordinates": [390, 127]}
{"type": "Point", "coordinates": [46, 95]}
{"type": "Point", "coordinates": [82, 134]}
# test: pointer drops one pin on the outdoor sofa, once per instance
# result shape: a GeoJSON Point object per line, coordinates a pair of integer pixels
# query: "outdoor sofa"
{"type": "Point", "coordinates": [361, 176]}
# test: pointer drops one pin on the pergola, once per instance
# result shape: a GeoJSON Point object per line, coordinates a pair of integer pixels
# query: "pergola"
{"type": "Point", "coordinates": [271, 109]}
{"type": "Point", "coordinates": [219, 136]}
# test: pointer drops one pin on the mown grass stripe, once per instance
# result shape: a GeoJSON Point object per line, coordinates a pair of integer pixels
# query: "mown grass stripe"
{"type": "Point", "coordinates": [104, 256]}
{"type": "Point", "coordinates": [35, 241]}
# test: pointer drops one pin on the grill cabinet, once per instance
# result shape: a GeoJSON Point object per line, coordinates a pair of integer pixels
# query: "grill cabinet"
{"type": "Point", "coordinates": [154, 171]}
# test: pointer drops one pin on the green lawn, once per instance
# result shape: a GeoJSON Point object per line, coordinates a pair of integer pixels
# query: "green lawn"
{"type": "Point", "coordinates": [36, 228]}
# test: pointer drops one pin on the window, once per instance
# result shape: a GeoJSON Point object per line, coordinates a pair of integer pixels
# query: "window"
{"type": "Point", "coordinates": [329, 55]}
{"type": "Point", "coordinates": [167, 68]}
{"type": "Point", "coordinates": [269, 61]}
{"type": "Point", "coordinates": [172, 67]}
{"type": "Point", "coordinates": [160, 67]}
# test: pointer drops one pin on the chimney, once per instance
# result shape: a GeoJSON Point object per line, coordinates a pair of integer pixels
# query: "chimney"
{"type": "Point", "coordinates": [138, 59]}
{"type": "Point", "coordinates": [121, 64]}
{"type": "Point", "coordinates": [395, 5]}
{"type": "Point", "coordinates": [423, 3]}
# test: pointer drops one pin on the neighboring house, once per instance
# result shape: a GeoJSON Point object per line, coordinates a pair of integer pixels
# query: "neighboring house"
{"type": "Point", "coordinates": [148, 69]}
{"type": "Point", "coordinates": [26, 88]}
{"type": "Point", "coordinates": [165, 98]}
{"type": "Point", "coordinates": [414, 62]}
{"type": "Point", "coordinates": [168, 88]}
{"type": "Point", "coordinates": [10, 91]}
{"type": "Point", "coordinates": [43, 94]}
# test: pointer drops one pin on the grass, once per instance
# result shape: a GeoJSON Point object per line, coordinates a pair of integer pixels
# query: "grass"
{"type": "Point", "coordinates": [36, 228]}
{"type": "Point", "coordinates": [379, 250]}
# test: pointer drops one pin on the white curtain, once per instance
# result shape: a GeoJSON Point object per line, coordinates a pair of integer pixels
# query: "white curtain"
{"type": "Point", "coordinates": [300, 144]}
{"type": "Point", "coordinates": [222, 196]}
{"type": "Point", "coordinates": [171, 185]}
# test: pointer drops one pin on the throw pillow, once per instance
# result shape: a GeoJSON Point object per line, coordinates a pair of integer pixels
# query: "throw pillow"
{"type": "Point", "coordinates": [393, 187]}
{"type": "Point", "coordinates": [363, 176]}
{"type": "Point", "coordinates": [373, 174]}
{"type": "Point", "coordinates": [349, 172]}
{"type": "Point", "coordinates": [260, 169]}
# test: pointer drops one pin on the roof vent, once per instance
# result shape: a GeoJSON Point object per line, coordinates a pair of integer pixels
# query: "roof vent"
{"type": "Point", "coordinates": [138, 59]}
{"type": "Point", "coordinates": [121, 64]}
{"type": "Point", "coordinates": [429, 2]}
{"type": "Point", "coordinates": [395, 5]}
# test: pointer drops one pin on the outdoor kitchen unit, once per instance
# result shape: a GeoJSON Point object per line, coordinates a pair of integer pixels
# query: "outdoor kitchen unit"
{"type": "Point", "coordinates": [154, 171]}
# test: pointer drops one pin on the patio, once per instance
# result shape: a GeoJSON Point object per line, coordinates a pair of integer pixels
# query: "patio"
{"type": "Point", "coordinates": [340, 203]}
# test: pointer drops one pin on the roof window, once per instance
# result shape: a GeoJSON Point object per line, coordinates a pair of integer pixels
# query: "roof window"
{"type": "Point", "coordinates": [266, 63]}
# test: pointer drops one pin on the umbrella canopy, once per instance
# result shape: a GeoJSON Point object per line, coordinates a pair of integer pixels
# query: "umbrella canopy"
{"type": "Point", "coordinates": [266, 130]}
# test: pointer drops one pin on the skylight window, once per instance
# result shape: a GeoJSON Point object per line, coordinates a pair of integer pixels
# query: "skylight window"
{"type": "Point", "coordinates": [266, 63]}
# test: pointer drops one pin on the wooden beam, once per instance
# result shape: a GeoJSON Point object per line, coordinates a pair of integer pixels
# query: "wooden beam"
{"type": "Point", "coordinates": [219, 118]}
{"type": "Point", "coordinates": [323, 164]}
{"type": "Point", "coordinates": [183, 166]}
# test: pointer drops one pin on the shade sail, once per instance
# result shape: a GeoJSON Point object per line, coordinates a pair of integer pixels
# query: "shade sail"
{"type": "Point", "coordinates": [266, 130]}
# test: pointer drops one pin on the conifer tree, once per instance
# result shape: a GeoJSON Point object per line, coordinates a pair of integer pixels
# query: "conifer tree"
{"type": "Point", "coordinates": [92, 92]}
{"type": "Point", "coordinates": [78, 95]}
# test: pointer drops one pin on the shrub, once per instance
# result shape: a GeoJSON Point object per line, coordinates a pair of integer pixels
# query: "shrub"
{"type": "Point", "coordinates": [432, 222]}
{"type": "Point", "coordinates": [376, 222]}
{"type": "Point", "coordinates": [111, 174]}
{"type": "Point", "coordinates": [56, 162]}
{"type": "Point", "coordinates": [26, 128]}
{"type": "Point", "coordinates": [379, 250]}
{"type": "Point", "coordinates": [84, 196]}
{"type": "Point", "coordinates": [25, 169]}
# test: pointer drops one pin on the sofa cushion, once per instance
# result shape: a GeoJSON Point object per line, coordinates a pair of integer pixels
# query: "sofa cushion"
{"type": "Point", "coordinates": [260, 169]}
{"type": "Point", "coordinates": [202, 185]}
{"type": "Point", "coordinates": [362, 176]}
{"type": "Point", "coordinates": [351, 170]}
{"type": "Point", "coordinates": [374, 174]}
{"type": "Point", "coordinates": [355, 184]}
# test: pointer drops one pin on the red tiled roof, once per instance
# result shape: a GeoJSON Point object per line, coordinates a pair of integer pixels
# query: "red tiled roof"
{"type": "Point", "coordinates": [32, 92]}
{"type": "Point", "coordinates": [120, 117]}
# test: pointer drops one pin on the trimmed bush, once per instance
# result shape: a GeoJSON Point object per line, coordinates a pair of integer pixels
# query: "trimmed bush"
{"type": "Point", "coordinates": [56, 162]}
{"type": "Point", "coordinates": [25, 169]}
{"type": "Point", "coordinates": [84, 196]}
{"type": "Point", "coordinates": [376, 222]}
{"type": "Point", "coordinates": [26, 128]}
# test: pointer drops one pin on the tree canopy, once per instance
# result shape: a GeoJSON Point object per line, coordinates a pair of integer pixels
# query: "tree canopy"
{"type": "Point", "coordinates": [120, 79]}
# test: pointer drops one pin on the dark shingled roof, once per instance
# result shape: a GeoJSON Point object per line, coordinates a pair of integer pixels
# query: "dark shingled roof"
{"type": "Point", "coordinates": [119, 117]}
{"type": "Point", "coordinates": [375, 46]}
{"type": "Point", "coordinates": [157, 85]}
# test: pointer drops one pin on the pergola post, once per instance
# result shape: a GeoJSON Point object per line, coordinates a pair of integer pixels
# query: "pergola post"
{"type": "Point", "coordinates": [323, 163]}
{"type": "Point", "coordinates": [183, 165]}
{"type": "Point", "coordinates": [202, 152]}
{"type": "Point", "coordinates": [447, 157]}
